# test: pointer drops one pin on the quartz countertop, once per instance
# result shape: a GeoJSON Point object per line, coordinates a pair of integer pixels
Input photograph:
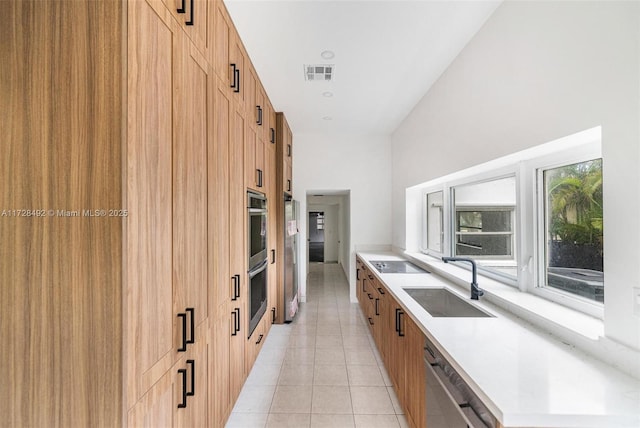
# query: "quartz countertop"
{"type": "Point", "coordinates": [525, 376]}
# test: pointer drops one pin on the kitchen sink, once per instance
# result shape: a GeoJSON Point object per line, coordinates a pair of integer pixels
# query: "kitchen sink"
{"type": "Point", "coordinates": [396, 266]}
{"type": "Point", "coordinates": [440, 302]}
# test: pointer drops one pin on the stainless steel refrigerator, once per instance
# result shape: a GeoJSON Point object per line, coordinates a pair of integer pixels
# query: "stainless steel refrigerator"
{"type": "Point", "coordinates": [291, 212]}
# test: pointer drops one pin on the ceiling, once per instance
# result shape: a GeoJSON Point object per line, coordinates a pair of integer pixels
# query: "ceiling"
{"type": "Point", "coordinates": [387, 56]}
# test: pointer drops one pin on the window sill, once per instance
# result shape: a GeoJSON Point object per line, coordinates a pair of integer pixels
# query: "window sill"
{"type": "Point", "coordinates": [568, 324]}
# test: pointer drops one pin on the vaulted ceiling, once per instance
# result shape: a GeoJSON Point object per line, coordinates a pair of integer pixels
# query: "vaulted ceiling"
{"type": "Point", "coordinates": [387, 55]}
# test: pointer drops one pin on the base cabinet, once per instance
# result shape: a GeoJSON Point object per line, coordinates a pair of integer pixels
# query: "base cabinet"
{"type": "Point", "coordinates": [399, 341]}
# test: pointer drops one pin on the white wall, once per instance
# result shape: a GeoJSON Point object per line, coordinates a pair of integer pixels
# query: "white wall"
{"type": "Point", "coordinates": [538, 71]}
{"type": "Point", "coordinates": [358, 164]}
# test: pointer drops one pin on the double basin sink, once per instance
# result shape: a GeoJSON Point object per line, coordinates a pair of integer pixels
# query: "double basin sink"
{"type": "Point", "coordinates": [437, 301]}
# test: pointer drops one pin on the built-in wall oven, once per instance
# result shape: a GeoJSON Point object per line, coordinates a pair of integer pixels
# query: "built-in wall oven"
{"type": "Point", "coordinates": [257, 257]}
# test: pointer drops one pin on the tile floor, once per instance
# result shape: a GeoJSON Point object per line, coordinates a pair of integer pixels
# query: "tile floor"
{"type": "Point", "coordinates": [322, 370]}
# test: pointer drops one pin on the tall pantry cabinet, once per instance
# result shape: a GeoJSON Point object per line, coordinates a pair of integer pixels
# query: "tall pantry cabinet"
{"type": "Point", "coordinates": [123, 271]}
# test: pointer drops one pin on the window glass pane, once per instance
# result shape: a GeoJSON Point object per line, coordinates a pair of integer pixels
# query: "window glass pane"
{"type": "Point", "coordinates": [485, 224]}
{"type": "Point", "coordinates": [434, 221]}
{"type": "Point", "coordinates": [574, 229]}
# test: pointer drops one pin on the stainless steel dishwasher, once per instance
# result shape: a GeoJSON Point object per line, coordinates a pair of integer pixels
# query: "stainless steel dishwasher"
{"type": "Point", "coordinates": [450, 403]}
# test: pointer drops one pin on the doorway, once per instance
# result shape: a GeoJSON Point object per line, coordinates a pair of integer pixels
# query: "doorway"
{"type": "Point", "coordinates": [316, 236]}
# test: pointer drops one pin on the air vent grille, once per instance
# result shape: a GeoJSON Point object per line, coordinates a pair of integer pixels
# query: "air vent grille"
{"type": "Point", "coordinates": [319, 72]}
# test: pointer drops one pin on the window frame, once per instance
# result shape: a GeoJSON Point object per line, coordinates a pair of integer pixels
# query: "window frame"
{"type": "Point", "coordinates": [424, 243]}
{"type": "Point", "coordinates": [539, 286]}
{"type": "Point", "coordinates": [527, 166]}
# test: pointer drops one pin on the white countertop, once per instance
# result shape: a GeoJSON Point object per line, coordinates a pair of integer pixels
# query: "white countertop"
{"type": "Point", "coordinates": [525, 377]}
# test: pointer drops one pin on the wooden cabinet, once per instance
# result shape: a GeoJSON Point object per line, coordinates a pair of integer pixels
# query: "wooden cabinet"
{"type": "Point", "coordinates": [285, 153]}
{"type": "Point", "coordinates": [399, 341]}
{"type": "Point", "coordinates": [229, 57]}
{"type": "Point", "coordinates": [133, 282]}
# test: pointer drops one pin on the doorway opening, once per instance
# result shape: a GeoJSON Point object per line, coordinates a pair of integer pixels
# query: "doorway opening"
{"type": "Point", "coordinates": [316, 236]}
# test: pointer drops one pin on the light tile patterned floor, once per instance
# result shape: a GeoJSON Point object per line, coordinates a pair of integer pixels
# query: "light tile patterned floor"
{"type": "Point", "coordinates": [322, 370]}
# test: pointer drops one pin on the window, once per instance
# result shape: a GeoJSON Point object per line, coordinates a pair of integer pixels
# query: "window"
{"type": "Point", "coordinates": [573, 229]}
{"type": "Point", "coordinates": [434, 222]}
{"type": "Point", "coordinates": [484, 224]}
{"type": "Point", "coordinates": [532, 219]}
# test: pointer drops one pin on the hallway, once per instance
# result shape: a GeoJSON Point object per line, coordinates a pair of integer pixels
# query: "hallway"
{"type": "Point", "coordinates": [322, 370]}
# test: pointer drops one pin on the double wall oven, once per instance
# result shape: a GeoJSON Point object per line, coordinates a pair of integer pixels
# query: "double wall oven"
{"type": "Point", "coordinates": [257, 255]}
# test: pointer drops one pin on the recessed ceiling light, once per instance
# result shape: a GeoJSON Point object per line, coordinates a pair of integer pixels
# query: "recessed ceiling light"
{"type": "Point", "coordinates": [327, 94]}
{"type": "Point", "coordinates": [327, 54]}
{"type": "Point", "coordinates": [327, 118]}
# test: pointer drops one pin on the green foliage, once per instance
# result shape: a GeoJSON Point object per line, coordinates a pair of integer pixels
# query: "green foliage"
{"type": "Point", "coordinates": [575, 202]}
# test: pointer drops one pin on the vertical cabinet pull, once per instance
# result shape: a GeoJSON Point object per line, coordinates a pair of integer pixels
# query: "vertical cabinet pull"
{"type": "Point", "coordinates": [370, 321]}
{"type": "Point", "coordinates": [288, 150]}
{"type": "Point", "coordinates": [377, 308]}
{"type": "Point", "coordinates": [273, 315]}
{"type": "Point", "coordinates": [183, 404]}
{"type": "Point", "coordinates": [183, 346]}
{"type": "Point", "coordinates": [235, 332]}
{"type": "Point", "coordinates": [192, 391]}
{"type": "Point", "coordinates": [187, 337]}
{"type": "Point", "coordinates": [370, 296]}
{"type": "Point", "coordinates": [236, 78]}
{"type": "Point", "coordinates": [182, 9]}
{"type": "Point", "coordinates": [273, 136]}
{"type": "Point", "coordinates": [236, 321]}
{"type": "Point", "coordinates": [259, 339]}
{"type": "Point", "coordinates": [192, 326]}
{"type": "Point", "coordinates": [381, 290]}
{"type": "Point", "coordinates": [397, 322]}
{"type": "Point", "coordinates": [399, 313]}
{"type": "Point", "coordinates": [190, 21]}
{"type": "Point", "coordinates": [288, 185]}
{"type": "Point", "coordinates": [259, 121]}
{"type": "Point", "coordinates": [259, 173]}
{"type": "Point", "coordinates": [236, 287]}
{"type": "Point", "coordinates": [273, 256]}
{"type": "Point", "coordinates": [357, 274]}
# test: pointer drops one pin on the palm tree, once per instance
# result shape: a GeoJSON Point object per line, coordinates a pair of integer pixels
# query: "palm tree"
{"type": "Point", "coordinates": [575, 195]}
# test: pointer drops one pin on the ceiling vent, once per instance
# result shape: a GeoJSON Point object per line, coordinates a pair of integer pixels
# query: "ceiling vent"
{"type": "Point", "coordinates": [321, 72]}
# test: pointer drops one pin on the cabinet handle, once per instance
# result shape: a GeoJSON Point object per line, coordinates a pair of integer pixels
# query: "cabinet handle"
{"type": "Point", "coordinates": [400, 313]}
{"type": "Point", "coordinates": [236, 78]}
{"type": "Point", "coordinates": [259, 121]}
{"type": "Point", "coordinates": [237, 291]}
{"type": "Point", "coordinates": [235, 287]}
{"type": "Point", "coordinates": [381, 290]}
{"type": "Point", "coordinates": [273, 136]}
{"type": "Point", "coordinates": [184, 388]}
{"type": "Point", "coordinates": [273, 256]}
{"type": "Point", "coordinates": [370, 321]}
{"type": "Point", "coordinates": [259, 339]}
{"type": "Point", "coordinates": [183, 347]}
{"type": "Point", "coordinates": [237, 319]}
{"type": "Point", "coordinates": [273, 315]}
{"type": "Point", "coordinates": [377, 308]}
{"type": "Point", "coordinates": [182, 9]}
{"type": "Point", "coordinates": [397, 317]}
{"type": "Point", "coordinates": [364, 288]}
{"type": "Point", "coordinates": [190, 21]}
{"type": "Point", "coordinates": [357, 274]}
{"type": "Point", "coordinates": [235, 331]}
{"type": "Point", "coordinates": [259, 180]}
{"type": "Point", "coordinates": [370, 296]}
{"type": "Point", "coordinates": [288, 150]}
{"type": "Point", "coordinates": [191, 338]}
{"type": "Point", "coordinates": [371, 277]}
{"type": "Point", "coordinates": [192, 392]}
{"type": "Point", "coordinates": [288, 185]}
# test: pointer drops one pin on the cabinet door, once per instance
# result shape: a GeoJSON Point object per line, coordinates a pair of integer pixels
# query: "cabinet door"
{"type": "Point", "coordinates": [223, 285]}
{"type": "Point", "coordinates": [272, 238]}
{"type": "Point", "coordinates": [237, 254]}
{"type": "Point", "coordinates": [149, 276]}
{"type": "Point", "coordinates": [190, 184]}
{"type": "Point", "coordinates": [219, 370]}
{"type": "Point", "coordinates": [228, 56]}
{"type": "Point", "coordinates": [288, 179]}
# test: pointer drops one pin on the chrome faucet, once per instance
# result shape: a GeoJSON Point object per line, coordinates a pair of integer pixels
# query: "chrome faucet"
{"type": "Point", "coordinates": [476, 291]}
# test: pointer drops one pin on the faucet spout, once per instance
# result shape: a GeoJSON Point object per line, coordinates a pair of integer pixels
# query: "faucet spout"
{"type": "Point", "coordinates": [476, 292]}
